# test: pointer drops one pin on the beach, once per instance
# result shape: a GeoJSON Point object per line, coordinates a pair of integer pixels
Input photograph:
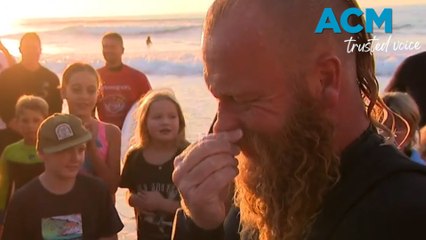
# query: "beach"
{"type": "Point", "coordinates": [174, 60]}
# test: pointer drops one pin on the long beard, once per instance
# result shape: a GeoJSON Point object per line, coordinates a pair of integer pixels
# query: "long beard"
{"type": "Point", "coordinates": [283, 178]}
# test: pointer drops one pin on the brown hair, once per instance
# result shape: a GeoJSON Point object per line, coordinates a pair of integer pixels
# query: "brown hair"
{"type": "Point", "coordinates": [30, 102]}
{"type": "Point", "coordinates": [115, 36]}
{"type": "Point", "coordinates": [79, 67]}
{"type": "Point", "coordinates": [405, 106]}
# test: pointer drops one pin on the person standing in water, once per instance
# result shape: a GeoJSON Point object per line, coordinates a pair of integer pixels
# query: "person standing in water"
{"type": "Point", "coordinates": [148, 41]}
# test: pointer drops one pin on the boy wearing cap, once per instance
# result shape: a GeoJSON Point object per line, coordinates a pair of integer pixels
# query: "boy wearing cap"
{"type": "Point", "coordinates": [60, 203]}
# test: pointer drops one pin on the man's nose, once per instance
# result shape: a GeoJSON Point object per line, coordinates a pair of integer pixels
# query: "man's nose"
{"type": "Point", "coordinates": [227, 119]}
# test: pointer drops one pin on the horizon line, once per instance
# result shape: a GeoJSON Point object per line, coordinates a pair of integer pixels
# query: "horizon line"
{"type": "Point", "coordinates": [200, 14]}
{"type": "Point", "coordinates": [130, 16]}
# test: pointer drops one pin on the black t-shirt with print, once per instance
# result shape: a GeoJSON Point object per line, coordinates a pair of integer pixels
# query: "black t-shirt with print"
{"type": "Point", "coordinates": [86, 212]}
{"type": "Point", "coordinates": [139, 175]}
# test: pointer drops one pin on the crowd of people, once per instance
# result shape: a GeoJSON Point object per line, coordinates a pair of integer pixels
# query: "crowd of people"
{"type": "Point", "coordinates": [302, 145]}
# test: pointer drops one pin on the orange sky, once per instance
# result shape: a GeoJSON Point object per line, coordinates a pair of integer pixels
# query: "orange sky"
{"type": "Point", "coordinates": [14, 9]}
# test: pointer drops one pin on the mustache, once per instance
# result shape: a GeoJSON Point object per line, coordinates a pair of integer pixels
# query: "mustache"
{"type": "Point", "coordinates": [253, 143]}
{"type": "Point", "coordinates": [284, 176]}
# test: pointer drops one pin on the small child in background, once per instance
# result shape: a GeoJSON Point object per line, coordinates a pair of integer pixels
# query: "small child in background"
{"type": "Point", "coordinates": [80, 87]}
{"type": "Point", "coordinates": [147, 173]}
{"type": "Point", "coordinates": [19, 162]}
{"type": "Point", "coordinates": [404, 105]}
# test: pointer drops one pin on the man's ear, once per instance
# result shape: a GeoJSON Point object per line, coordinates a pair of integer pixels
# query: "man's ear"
{"type": "Point", "coordinates": [329, 70]}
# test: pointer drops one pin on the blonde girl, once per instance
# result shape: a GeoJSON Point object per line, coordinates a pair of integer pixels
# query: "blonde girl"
{"type": "Point", "coordinates": [147, 173]}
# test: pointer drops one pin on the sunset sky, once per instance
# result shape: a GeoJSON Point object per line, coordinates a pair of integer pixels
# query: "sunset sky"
{"type": "Point", "coordinates": [18, 9]}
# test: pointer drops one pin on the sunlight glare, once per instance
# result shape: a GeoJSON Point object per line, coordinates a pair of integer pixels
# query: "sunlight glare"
{"type": "Point", "coordinates": [8, 25]}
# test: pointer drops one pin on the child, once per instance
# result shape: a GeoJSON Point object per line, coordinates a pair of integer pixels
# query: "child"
{"type": "Point", "coordinates": [147, 173]}
{"type": "Point", "coordinates": [80, 87]}
{"type": "Point", "coordinates": [404, 105]}
{"type": "Point", "coordinates": [19, 162]}
{"type": "Point", "coordinates": [60, 203]}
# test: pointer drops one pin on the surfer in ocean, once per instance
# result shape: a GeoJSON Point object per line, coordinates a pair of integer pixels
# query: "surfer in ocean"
{"type": "Point", "coordinates": [148, 41]}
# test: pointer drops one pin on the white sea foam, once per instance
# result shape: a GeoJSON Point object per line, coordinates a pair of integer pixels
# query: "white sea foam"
{"type": "Point", "coordinates": [176, 41]}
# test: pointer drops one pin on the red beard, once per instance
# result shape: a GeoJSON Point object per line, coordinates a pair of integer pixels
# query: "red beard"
{"type": "Point", "coordinates": [284, 178]}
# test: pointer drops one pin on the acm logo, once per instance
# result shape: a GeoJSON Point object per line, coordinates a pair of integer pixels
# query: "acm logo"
{"type": "Point", "coordinates": [328, 20]}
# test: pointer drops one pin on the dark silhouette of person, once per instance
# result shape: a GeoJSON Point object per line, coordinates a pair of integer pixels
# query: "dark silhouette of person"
{"type": "Point", "coordinates": [410, 78]}
{"type": "Point", "coordinates": [148, 41]}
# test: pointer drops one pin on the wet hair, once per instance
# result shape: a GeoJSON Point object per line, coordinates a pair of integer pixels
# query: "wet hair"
{"type": "Point", "coordinates": [405, 106]}
{"type": "Point", "coordinates": [376, 109]}
{"type": "Point", "coordinates": [115, 36]}
{"type": "Point", "coordinates": [79, 67]}
{"type": "Point", "coordinates": [30, 35]}
{"type": "Point", "coordinates": [142, 137]}
{"type": "Point", "coordinates": [30, 102]}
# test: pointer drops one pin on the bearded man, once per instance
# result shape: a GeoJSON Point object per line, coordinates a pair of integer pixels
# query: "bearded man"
{"type": "Point", "coordinates": [297, 130]}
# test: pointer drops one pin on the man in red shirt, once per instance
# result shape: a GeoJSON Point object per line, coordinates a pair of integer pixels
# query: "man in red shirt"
{"type": "Point", "coordinates": [122, 85]}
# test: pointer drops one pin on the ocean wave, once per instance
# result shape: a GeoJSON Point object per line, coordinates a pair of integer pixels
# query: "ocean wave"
{"type": "Point", "coordinates": [132, 30]}
{"type": "Point", "coordinates": [191, 65]}
{"type": "Point", "coordinates": [125, 30]}
{"type": "Point", "coordinates": [418, 28]}
{"type": "Point", "coordinates": [387, 63]}
{"type": "Point", "coordinates": [386, 66]}
{"type": "Point", "coordinates": [402, 26]}
{"type": "Point", "coordinates": [185, 66]}
{"type": "Point", "coordinates": [167, 67]}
